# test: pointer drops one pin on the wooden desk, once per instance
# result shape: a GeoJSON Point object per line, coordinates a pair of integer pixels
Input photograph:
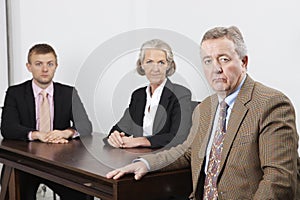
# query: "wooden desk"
{"type": "Point", "coordinates": [82, 165]}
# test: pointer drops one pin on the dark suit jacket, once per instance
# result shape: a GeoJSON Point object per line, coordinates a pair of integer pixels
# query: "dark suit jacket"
{"type": "Point", "coordinates": [259, 157]}
{"type": "Point", "coordinates": [172, 120]}
{"type": "Point", "coordinates": [19, 118]}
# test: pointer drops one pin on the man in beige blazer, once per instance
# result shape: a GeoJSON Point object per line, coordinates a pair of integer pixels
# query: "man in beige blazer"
{"type": "Point", "coordinates": [259, 156]}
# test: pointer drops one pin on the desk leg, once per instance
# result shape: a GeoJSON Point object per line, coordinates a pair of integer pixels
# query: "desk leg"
{"type": "Point", "coordinates": [9, 185]}
{"type": "Point", "coordinates": [14, 189]}
{"type": "Point", "coordinates": [6, 174]}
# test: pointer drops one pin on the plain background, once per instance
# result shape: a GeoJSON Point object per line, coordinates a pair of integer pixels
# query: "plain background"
{"type": "Point", "coordinates": [75, 29]}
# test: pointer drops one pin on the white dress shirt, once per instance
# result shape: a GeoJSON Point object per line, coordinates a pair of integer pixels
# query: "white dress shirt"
{"type": "Point", "coordinates": [152, 104]}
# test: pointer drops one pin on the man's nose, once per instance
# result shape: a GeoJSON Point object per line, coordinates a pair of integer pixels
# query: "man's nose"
{"type": "Point", "coordinates": [45, 67]}
{"type": "Point", "coordinates": [217, 67]}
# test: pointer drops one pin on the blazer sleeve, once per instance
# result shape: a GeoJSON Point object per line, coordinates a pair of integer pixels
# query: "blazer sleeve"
{"type": "Point", "coordinates": [124, 125]}
{"type": "Point", "coordinates": [14, 123]}
{"type": "Point", "coordinates": [180, 116]}
{"type": "Point", "coordinates": [278, 141]}
{"type": "Point", "coordinates": [80, 119]}
{"type": "Point", "coordinates": [130, 123]}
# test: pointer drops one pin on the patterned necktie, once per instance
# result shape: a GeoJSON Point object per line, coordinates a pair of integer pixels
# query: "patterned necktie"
{"type": "Point", "coordinates": [44, 113]}
{"type": "Point", "coordinates": [213, 170]}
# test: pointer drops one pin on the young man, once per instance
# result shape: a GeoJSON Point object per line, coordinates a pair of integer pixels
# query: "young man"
{"type": "Point", "coordinates": [243, 141]}
{"type": "Point", "coordinates": [40, 109]}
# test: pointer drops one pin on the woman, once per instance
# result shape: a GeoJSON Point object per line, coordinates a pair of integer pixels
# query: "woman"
{"type": "Point", "coordinates": [159, 113]}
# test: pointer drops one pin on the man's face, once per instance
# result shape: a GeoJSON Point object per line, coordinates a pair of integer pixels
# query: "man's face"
{"type": "Point", "coordinates": [42, 67]}
{"type": "Point", "coordinates": [223, 68]}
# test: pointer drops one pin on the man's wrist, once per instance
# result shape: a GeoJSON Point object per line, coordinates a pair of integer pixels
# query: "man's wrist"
{"type": "Point", "coordinates": [143, 161]}
{"type": "Point", "coordinates": [33, 135]}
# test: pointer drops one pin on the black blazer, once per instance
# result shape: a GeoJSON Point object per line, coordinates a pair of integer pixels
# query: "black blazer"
{"type": "Point", "coordinates": [173, 117]}
{"type": "Point", "coordinates": [19, 118]}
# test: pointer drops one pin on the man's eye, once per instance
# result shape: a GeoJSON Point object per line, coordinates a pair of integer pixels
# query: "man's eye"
{"type": "Point", "coordinates": [161, 62]}
{"type": "Point", "coordinates": [224, 59]}
{"type": "Point", "coordinates": [50, 64]}
{"type": "Point", "coordinates": [149, 61]}
{"type": "Point", "coordinates": [38, 64]}
{"type": "Point", "coordinates": [207, 62]}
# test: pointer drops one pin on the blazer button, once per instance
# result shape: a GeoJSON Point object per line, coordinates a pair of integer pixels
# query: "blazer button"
{"type": "Point", "coordinates": [222, 193]}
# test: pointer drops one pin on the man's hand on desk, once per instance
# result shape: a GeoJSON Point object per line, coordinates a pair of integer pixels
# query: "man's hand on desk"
{"type": "Point", "coordinates": [139, 169]}
{"type": "Point", "coordinates": [58, 136]}
{"type": "Point", "coordinates": [55, 136]}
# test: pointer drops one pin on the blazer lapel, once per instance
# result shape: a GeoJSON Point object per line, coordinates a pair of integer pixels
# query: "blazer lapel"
{"type": "Point", "coordinates": [237, 115]}
{"type": "Point", "coordinates": [207, 124]}
{"type": "Point", "coordinates": [206, 120]}
{"type": "Point", "coordinates": [139, 110]}
{"type": "Point", "coordinates": [161, 113]}
{"type": "Point", "coordinates": [30, 102]}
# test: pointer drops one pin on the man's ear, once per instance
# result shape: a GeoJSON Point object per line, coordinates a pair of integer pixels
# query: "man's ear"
{"type": "Point", "coordinates": [28, 65]}
{"type": "Point", "coordinates": [245, 62]}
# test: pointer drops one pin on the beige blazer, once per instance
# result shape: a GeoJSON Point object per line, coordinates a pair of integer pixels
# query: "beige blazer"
{"type": "Point", "coordinates": [259, 158]}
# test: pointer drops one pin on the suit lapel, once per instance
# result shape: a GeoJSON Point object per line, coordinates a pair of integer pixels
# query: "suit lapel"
{"type": "Point", "coordinates": [139, 110]}
{"type": "Point", "coordinates": [207, 124]}
{"type": "Point", "coordinates": [206, 120]}
{"type": "Point", "coordinates": [237, 115]}
{"type": "Point", "coordinates": [30, 102]}
{"type": "Point", "coordinates": [161, 113]}
{"type": "Point", "coordinates": [57, 104]}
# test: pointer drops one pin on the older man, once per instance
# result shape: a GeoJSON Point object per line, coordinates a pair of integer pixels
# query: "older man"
{"type": "Point", "coordinates": [243, 141]}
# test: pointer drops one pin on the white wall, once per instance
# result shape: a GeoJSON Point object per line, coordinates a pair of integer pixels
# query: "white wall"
{"type": "Point", "coordinates": [3, 54]}
{"type": "Point", "coordinates": [76, 28]}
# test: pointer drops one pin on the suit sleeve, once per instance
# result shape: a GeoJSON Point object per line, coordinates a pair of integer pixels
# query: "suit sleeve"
{"type": "Point", "coordinates": [126, 123]}
{"type": "Point", "coordinates": [278, 154]}
{"type": "Point", "coordinates": [180, 122]}
{"type": "Point", "coordinates": [11, 120]}
{"type": "Point", "coordinates": [80, 119]}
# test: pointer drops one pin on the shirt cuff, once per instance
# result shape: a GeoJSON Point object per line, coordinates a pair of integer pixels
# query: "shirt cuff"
{"type": "Point", "coordinates": [76, 135]}
{"type": "Point", "coordinates": [29, 136]}
{"type": "Point", "coordinates": [142, 160]}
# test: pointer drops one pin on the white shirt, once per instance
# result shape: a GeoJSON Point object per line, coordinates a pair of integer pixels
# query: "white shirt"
{"type": "Point", "coordinates": [152, 103]}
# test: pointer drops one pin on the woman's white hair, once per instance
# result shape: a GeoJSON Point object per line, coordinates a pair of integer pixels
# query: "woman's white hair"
{"type": "Point", "coordinates": [159, 45]}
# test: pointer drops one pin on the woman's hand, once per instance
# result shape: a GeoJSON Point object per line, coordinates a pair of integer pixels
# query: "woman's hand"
{"type": "Point", "coordinates": [116, 139]}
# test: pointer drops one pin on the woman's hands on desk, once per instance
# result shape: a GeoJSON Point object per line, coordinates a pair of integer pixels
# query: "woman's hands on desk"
{"type": "Point", "coordinates": [139, 169]}
{"type": "Point", "coordinates": [120, 140]}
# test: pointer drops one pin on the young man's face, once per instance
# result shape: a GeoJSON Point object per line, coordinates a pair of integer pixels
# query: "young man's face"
{"type": "Point", "coordinates": [42, 67]}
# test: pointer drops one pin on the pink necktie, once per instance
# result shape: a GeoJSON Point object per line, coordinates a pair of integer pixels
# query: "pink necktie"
{"type": "Point", "coordinates": [44, 113]}
{"type": "Point", "coordinates": [213, 170]}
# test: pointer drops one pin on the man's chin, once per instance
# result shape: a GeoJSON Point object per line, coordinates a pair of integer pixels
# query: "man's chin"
{"type": "Point", "coordinates": [44, 82]}
{"type": "Point", "coordinates": [220, 88]}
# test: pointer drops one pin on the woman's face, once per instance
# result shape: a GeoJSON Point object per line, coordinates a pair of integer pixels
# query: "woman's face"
{"type": "Point", "coordinates": [155, 66]}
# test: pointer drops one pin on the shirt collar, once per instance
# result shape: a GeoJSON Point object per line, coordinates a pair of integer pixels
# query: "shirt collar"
{"type": "Point", "coordinates": [158, 89]}
{"type": "Point", "coordinates": [37, 90]}
{"type": "Point", "coordinates": [230, 99]}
